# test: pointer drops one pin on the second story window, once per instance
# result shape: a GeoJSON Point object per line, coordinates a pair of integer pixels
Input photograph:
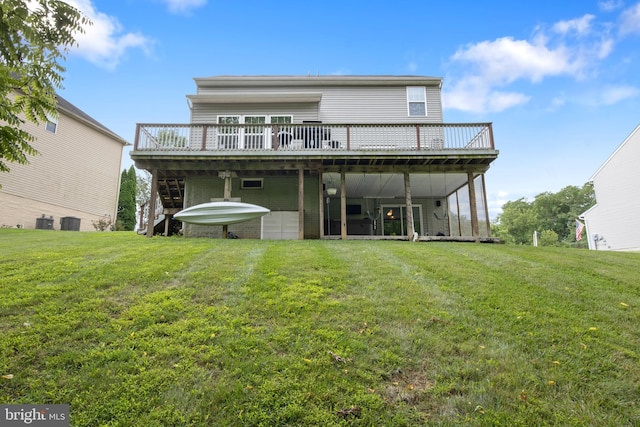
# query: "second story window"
{"type": "Point", "coordinates": [52, 123]}
{"type": "Point", "coordinates": [417, 101]}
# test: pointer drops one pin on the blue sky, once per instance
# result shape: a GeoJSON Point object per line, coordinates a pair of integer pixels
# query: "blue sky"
{"type": "Point", "coordinates": [560, 81]}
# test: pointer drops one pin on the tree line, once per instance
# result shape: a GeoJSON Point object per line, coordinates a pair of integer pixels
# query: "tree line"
{"type": "Point", "coordinates": [552, 215]}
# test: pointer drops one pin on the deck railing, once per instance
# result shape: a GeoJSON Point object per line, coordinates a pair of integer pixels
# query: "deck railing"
{"type": "Point", "coordinates": [313, 137]}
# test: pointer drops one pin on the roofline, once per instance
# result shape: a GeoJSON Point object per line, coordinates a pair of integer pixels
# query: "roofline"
{"type": "Point", "coordinates": [71, 110]}
{"type": "Point", "coordinates": [627, 139]}
{"type": "Point", "coordinates": [311, 80]}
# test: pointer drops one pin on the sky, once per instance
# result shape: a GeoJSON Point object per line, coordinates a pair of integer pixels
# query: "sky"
{"type": "Point", "coordinates": [559, 80]}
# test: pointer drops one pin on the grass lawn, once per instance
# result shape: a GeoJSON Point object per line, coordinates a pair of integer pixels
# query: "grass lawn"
{"type": "Point", "coordinates": [171, 332]}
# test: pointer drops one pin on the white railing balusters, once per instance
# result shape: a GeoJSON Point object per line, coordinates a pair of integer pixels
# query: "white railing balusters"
{"type": "Point", "coordinates": [316, 136]}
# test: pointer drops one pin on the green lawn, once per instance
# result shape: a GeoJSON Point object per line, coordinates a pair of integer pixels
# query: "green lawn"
{"type": "Point", "coordinates": [170, 332]}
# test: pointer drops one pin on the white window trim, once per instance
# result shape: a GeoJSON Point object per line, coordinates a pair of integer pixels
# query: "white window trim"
{"type": "Point", "coordinates": [53, 121]}
{"type": "Point", "coordinates": [424, 101]}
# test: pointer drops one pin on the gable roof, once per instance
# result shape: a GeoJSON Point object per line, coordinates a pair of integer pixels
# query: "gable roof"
{"type": "Point", "coordinates": [70, 109]}
{"type": "Point", "coordinates": [625, 142]}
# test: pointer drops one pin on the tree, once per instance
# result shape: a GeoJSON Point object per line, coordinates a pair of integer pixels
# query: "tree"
{"type": "Point", "coordinates": [553, 214]}
{"type": "Point", "coordinates": [143, 187]}
{"type": "Point", "coordinates": [517, 222]}
{"type": "Point", "coordinates": [558, 211]}
{"type": "Point", "coordinates": [127, 201]}
{"type": "Point", "coordinates": [143, 193]}
{"type": "Point", "coordinates": [35, 36]}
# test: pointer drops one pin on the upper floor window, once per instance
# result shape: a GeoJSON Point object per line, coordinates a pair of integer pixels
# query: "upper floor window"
{"type": "Point", "coordinates": [417, 101]}
{"type": "Point", "coordinates": [52, 123]}
{"type": "Point", "coordinates": [280, 119]}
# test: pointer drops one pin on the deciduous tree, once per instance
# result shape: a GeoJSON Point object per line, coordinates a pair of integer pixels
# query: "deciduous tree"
{"type": "Point", "coordinates": [35, 36]}
{"type": "Point", "coordinates": [553, 214]}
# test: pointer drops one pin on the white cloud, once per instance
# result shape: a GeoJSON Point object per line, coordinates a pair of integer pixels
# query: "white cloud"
{"type": "Point", "coordinates": [104, 43]}
{"type": "Point", "coordinates": [473, 95]}
{"type": "Point", "coordinates": [505, 60]}
{"type": "Point", "coordinates": [579, 25]}
{"type": "Point", "coordinates": [615, 94]}
{"type": "Point", "coordinates": [630, 20]}
{"type": "Point", "coordinates": [557, 102]}
{"type": "Point", "coordinates": [183, 6]}
{"type": "Point", "coordinates": [610, 5]}
{"type": "Point", "coordinates": [491, 66]}
{"type": "Point", "coordinates": [495, 201]}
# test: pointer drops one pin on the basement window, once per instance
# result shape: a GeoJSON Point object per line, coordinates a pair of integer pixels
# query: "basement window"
{"type": "Point", "coordinates": [251, 183]}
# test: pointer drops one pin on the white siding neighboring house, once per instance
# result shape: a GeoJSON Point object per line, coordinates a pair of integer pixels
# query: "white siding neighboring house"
{"type": "Point", "coordinates": [75, 175]}
{"type": "Point", "coordinates": [612, 224]}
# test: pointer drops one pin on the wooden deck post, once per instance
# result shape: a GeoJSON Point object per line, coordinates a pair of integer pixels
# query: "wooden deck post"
{"type": "Point", "coordinates": [167, 222]}
{"type": "Point", "coordinates": [486, 206]}
{"type": "Point", "coordinates": [141, 216]}
{"type": "Point", "coordinates": [475, 229]}
{"type": "Point", "coordinates": [204, 138]}
{"type": "Point", "coordinates": [343, 206]}
{"type": "Point", "coordinates": [152, 203]}
{"type": "Point", "coordinates": [409, 205]}
{"type": "Point", "coordinates": [226, 196]}
{"type": "Point", "coordinates": [136, 139]}
{"type": "Point", "coordinates": [321, 204]}
{"type": "Point", "coordinates": [301, 204]}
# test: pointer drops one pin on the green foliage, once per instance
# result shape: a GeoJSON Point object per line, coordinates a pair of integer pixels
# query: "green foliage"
{"type": "Point", "coordinates": [34, 38]}
{"type": "Point", "coordinates": [548, 238]}
{"type": "Point", "coordinates": [138, 332]}
{"type": "Point", "coordinates": [554, 212]}
{"type": "Point", "coordinates": [518, 221]}
{"type": "Point", "coordinates": [103, 223]}
{"type": "Point", "coordinates": [126, 220]}
{"type": "Point", "coordinates": [143, 187]}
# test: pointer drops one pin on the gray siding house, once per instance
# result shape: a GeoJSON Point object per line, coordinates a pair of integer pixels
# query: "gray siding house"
{"type": "Point", "coordinates": [347, 157]}
{"type": "Point", "coordinates": [610, 223]}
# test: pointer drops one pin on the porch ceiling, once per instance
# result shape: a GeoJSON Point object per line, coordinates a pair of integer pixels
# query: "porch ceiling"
{"type": "Point", "coordinates": [389, 186]}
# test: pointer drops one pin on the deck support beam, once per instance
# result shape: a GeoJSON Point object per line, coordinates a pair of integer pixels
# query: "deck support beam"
{"type": "Point", "coordinates": [409, 205]}
{"type": "Point", "coordinates": [301, 204]}
{"type": "Point", "coordinates": [153, 200]}
{"type": "Point", "coordinates": [226, 196]}
{"type": "Point", "coordinates": [343, 206]}
{"type": "Point", "coordinates": [321, 194]}
{"type": "Point", "coordinates": [475, 229]}
{"type": "Point", "coordinates": [167, 222]}
{"type": "Point", "coordinates": [486, 206]}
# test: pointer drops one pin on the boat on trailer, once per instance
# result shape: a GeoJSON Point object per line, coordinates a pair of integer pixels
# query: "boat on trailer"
{"type": "Point", "coordinates": [220, 213]}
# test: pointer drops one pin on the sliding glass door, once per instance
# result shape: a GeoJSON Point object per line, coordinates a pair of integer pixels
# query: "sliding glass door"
{"type": "Point", "coordinates": [394, 220]}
